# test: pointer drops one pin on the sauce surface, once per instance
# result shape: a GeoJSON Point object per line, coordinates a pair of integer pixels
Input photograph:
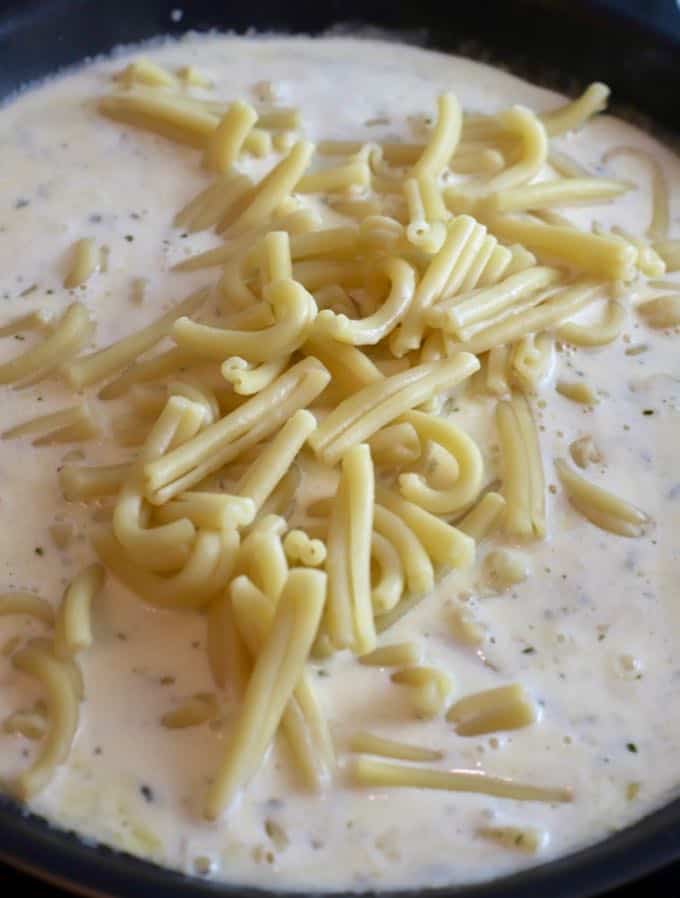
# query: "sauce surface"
{"type": "Point", "coordinates": [593, 633]}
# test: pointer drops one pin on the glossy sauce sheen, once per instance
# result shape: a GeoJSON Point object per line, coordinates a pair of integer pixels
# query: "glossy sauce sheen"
{"type": "Point", "coordinates": [594, 633]}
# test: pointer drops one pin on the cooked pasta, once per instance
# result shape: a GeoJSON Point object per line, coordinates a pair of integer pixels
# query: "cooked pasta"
{"type": "Point", "coordinates": [523, 480]}
{"type": "Point", "coordinates": [368, 743]}
{"type": "Point", "coordinates": [504, 708]}
{"type": "Point", "coordinates": [601, 507]}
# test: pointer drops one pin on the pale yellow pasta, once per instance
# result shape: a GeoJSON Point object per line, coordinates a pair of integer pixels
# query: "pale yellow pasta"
{"type": "Point", "coordinates": [207, 569]}
{"type": "Point", "coordinates": [294, 311]}
{"type": "Point", "coordinates": [199, 709]}
{"type": "Point", "coordinates": [527, 128]}
{"type": "Point", "coordinates": [374, 328]}
{"type": "Point", "coordinates": [599, 506]}
{"type": "Point", "coordinates": [465, 628]}
{"type": "Point", "coordinates": [279, 118]}
{"type": "Point", "coordinates": [483, 160]}
{"type": "Point", "coordinates": [395, 445]}
{"type": "Point", "coordinates": [208, 208]}
{"type": "Point", "coordinates": [516, 838]}
{"type": "Point", "coordinates": [360, 416]}
{"type": "Point", "coordinates": [418, 571]}
{"type": "Point", "coordinates": [103, 363]}
{"type": "Point", "coordinates": [277, 264]}
{"type": "Point", "coordinates": [26, 603]}
{"type": "Point", "coordinates": [71, 333]}
{"type": "Point", "coordinates": [505, 568]}
{"type": "Point", "coordinates": [193, 77]}
{"type": "Point", "coordinates": [544, 316]}
{"type": "Point", "coordinates": [393, 655]}
{"type": "Point", "coordinates": [62, 716]}
{"type": "Point", "coordinates": [336, 180]}
{"type": "Point", "coordinates": [350, 614]}
{"type": "Point", "coordinates": [160, 366]}
{"type": "Point", "coordinates": [349, 367]}
{"type": "Point", "coordinates": [599, 256]}
{"type": "Point", "coordinates": [572, 116]}
{"type": "Point", "coordinates": [566, 166]}
{"type": "Point", "coordinates": [523, 480]}
{"type": "Point", "coordinates": [482, 519]}
{"type": "Point", "coordinates": [532, 361]}
{"type": "Point", "coordinates": [432, 285]}
{"type": "Point", "coordinates": [212, 511]}
{"type": "Point", "coordinates": [445, 544]}
{"type": "Point", "coordinates": [252, 422]}
{"type": "Point", "coordinates": [227, 655]}
{"type": "Point", "coordinates": [83, 263]}
{"type": "Point", "coordinates": [377, 774]}
{"type": "Point", "coordinates": [73, 629]}
{"type": "Point", "coordinates": [167, 114]}
{"type": "Point", "coordinates": [29, 724]}
{"type": "Point", "coordinates": [369, 743]}
{"type": "Point", "coordinates": [262, 557]}
{"type": "Point", "coordinates": [497, 361]}
{"type": "Point", "coordinates": [464, 315]}
{"type": "Point", "coordinates": [577, 391]}
{"type": "Point", "coordinates": [226, 141]}
{"type": "Point", "coordinates": [443, 140]}
{"type": "Point", "coordinates": [429, 688]}
{"type": "Point", "coordinates": [144, 71]}
{"type": "Point", "coordinates": [661, 311]}
{"type": "Point", "coordinates": [502, 708]}
{"type": "Point", "coordinates": [273, 189]}
{"type": "Point", "coordinates": [37, 320]}
{"type": "Point", "coordinates": [593, 334]}
{"type": "Point", "coordinates": [258, 143]}
{"type": "Point", "coordinates": [275, 460]}
{"type": "Point", "coordinates": [277, 671]}
{"type": "Point", "coordinates": [67, 425]}
{"type": "Point", "coordinates": [387, 589]}
{"type": "Point", "coordinates": [461, 448]}
{"type": "Point", "coordinates": [563, 192]}
{"type": "Point", "coordinates": [300, 548]}
{"type": "Point", "coordinates": [79, 483]}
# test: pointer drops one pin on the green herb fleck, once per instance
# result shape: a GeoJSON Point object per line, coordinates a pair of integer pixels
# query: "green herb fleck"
{"type": "Point", "coordinates": [39, 550]}
{"type": "Point", "coordinates": [632, 747]}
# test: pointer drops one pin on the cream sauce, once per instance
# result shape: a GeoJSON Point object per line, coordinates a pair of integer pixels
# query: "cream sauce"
{"type": "Point", "coordinates": [593, 602]}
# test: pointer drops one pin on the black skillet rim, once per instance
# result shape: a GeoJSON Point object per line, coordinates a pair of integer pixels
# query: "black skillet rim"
{"type": "Point", "coordinates": [27, 841]}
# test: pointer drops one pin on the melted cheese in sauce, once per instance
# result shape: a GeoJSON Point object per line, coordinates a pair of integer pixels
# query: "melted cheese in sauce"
{"type": "Point", "coordinates": [594, 633]}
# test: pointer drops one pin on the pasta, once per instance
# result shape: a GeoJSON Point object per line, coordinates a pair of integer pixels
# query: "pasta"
{"type": "Point", "coordinates": [368, 743]}
{"type": "Point", "coordinates": [504, 708]}
{"type": "Point", "coordinates": [73, 632]}
{"type": "Point", "coordinates": [394, 655]}
{"type": "Point", "coordinates": [601, 507]}
{"type": "Point", "coordinates": [84, 263]}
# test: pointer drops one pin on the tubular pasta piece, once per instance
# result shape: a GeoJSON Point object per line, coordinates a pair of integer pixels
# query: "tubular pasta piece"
{"type": "Point", "coordinates": [661, 311]}
{"type": "Point", "coordinates": [444, 139]}
{"type": "Point", "coordinates": [300, 548]}
{"type": "Point", "coordinates": [76, 422]}
{"type": "Point", "coordinates": [389, 588]}
{"type": "Point", "coordinates": [212, 511]}
{"type": "Point", "coordinates": [207, 209]}
{"type": "Point", "coordinates": [62, 716]}
{"type": "Point", "coordinates": [572, 116]}
{"type": "Point", "coordinates": [163, 113]}
{"type": "Point", "coordinates": [368, 743]}
{"type": "Point", "coordinates": [484, 517]}
{"type": "Point", "coordinates": [357, 418]}
{"type": "Point", "coordinates": [84, 262]}
{"type": "Point", "coordinates": [532, 360]}
{"type": "Point", "coordinates": [143, 71]}
{"type": "Point", "coordinates": [595, 334]}
{"type": "Point", "coordinates": [523, 480]}
{"type": "Point", "coordinates": [660, 220]}
{"type": "Point", "coordinates": [73, 630]}
{"type": "Point", "coordinates": [376, 774]}
{"type": "Point", "coordinates": [599, 506]}
{"type": "Point", "coordinates": [199, 709]}
{"type": "Point", "coordinates": [227, 140]}
{"type": "Point", "coordinates": [418, 570]}
{"type": "Point", "coordinates": [277, 671]}
{"type": "Point", "coordinates": [374, 328]}
{"type": "Point", "coordinates": [503, 708]}
{"type": "Point", "coordinates": [396, 444]}
{"type": "Point", "coordinates": [563, 192]}
{"type": "Point", "coordinates": [26, 603]}
{"type": "Point", "coordinates": [104, 362]}
{"type": "Point", "coordinates": [461, 448]}
{"type": "Point", "coordinates": [227, 654]}
{"type": "Point", "coordinates": [577, 391]}
{"type": "Point", "coordinates": [395, 655]}
{"type": "Point", "coordinates": [79, 483]}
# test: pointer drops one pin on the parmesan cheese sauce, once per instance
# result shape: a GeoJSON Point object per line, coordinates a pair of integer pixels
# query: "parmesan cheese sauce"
{"type": "Point", "coordinates": [593, 633]}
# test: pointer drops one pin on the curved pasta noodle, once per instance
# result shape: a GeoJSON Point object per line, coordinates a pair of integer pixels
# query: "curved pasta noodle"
{"type": "Point", "coordinates": [208, 208]}
{"type": "Point", "coordinates": [73, 630]}
{"type": "Point", "coordinates": [294, 311]}
{"type": "Point", "coordinates": [503, 708]}
{"type": "Point", "coordinates": [71, 333]}
{"type": "Point", "coordinates": [418, 570]}
{"type": "Point", "coordinates": [396, 444]}
{"type": "Point", "coordinates": [263, 559]}
{"type": "Point", "coordinates": [357, 418]}
{"type": "Point", "coordinates": [523, 480]}
{"type": "Point", "coordinates": [349, 367]}
{"type": "Point", "coordinates": [595, 334]}
{"type": "Point", "coordinates": [62, 715]}
{"type": "Point", "coordinates": [599, 506]}
{"type": "Point", "coordinates": [374, 328]}
{"type": "Point", "coordinates": [388, 588]}
{"type": "Point", "coordinates": [275, 675]}
{"type": "Point", "coordinates": [532, 360]}
{"type": "Point", "coordinates": [427, 213]}
{"type": "Point", "coordinates": [211, 511]}
{"type": "Point", "coordinates": [300, 548]}
{"type": "Point", "coordinates": [572, 116]}
{"type": "Point", "coordinates": [468, 463]}
{"type": "Point", "coordinates": [104, 362]}
{"type": "Point", "coordinates": [444, 139]}
{"type": "Point", "coordinates": [660, 219]}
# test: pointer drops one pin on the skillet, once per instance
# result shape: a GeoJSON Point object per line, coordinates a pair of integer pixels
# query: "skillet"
{"type": "Point", "coordinates": [563, 44]}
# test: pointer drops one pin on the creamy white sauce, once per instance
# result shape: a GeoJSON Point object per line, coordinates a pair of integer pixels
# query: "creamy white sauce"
{"type": "Point", "coordinates": [592, 600]}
